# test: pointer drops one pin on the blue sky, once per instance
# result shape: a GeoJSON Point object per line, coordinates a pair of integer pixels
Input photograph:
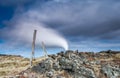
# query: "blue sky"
{"type": "Point", "coordinates": [86, 25]}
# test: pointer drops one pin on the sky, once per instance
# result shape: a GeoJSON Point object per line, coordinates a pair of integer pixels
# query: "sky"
{"type": "Point", "coordinates": [86, 25]}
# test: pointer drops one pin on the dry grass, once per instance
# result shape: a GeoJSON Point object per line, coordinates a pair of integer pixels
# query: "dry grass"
{"type": "Point", "coordinates": [66, 75]}
{"type": "Point", "coordinates": [12, 65]}
{"type": "Point", "coordinates": [117, 56]}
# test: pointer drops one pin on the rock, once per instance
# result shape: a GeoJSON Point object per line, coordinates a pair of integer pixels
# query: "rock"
{"type": "Point", "coordinates": [56, 66]}
{"type": "Point", "coordinates": [53, 56]}
{"type": "Point", "coordinates": [83, 72]}
{"type": "Point", "coordinates": [78, 65]}
{"type": "Point", "coordinates": [97, 62]}
{"type": "Point", "coordinates": [110, 72]}
{"type": "Point", "coordinates": [48, 63]}
{"type": "Point", "coordinates": [50, 74]}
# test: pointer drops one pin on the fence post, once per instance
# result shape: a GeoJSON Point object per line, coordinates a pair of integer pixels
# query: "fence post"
{"type": "Point", "coordinates": [33, 48]}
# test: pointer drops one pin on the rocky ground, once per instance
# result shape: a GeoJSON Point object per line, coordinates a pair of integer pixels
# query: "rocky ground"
{"type": "Point", "coordinates": [74, 64]}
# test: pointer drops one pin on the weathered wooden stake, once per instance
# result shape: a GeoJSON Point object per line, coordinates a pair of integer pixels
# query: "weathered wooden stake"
{"type": "Point", "coordinates": [33, 48]}
{"type": "Point", "coordinates": [45, 52]}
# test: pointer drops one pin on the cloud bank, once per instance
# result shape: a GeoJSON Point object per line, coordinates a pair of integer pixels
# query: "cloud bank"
{"type": "Point", "coordinates": [21, 29]}
{"type": "Point", "coordinates": [89, 21]}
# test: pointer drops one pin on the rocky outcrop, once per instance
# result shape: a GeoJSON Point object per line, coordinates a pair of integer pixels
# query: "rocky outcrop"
{"type": "Point", "coordinates": [74, 64]}
{"type": "Point", "coordinates": [111, 72]}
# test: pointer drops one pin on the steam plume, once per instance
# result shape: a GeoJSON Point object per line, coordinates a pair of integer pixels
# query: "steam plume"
{"type": "Point", "coordinates": [25, 26]}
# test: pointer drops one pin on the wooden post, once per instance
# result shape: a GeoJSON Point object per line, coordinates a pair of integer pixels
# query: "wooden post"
{"type": "Point", "coordinates": [33, 48]}
{"type": "Point", "coordinates": [45, 52]}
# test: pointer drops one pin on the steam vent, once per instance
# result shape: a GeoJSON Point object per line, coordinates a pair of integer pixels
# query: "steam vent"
{"type": "Point", "coordinates": [74, 64]}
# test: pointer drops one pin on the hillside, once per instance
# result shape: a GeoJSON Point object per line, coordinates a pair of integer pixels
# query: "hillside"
{"type": "Point", "coordinates": [11, 65]}
{"type": "Point", "coordinates": [69, 64]}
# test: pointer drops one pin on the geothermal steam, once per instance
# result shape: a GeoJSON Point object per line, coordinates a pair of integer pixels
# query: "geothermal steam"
{"type": "Point", "coordinates": [24, 28]}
